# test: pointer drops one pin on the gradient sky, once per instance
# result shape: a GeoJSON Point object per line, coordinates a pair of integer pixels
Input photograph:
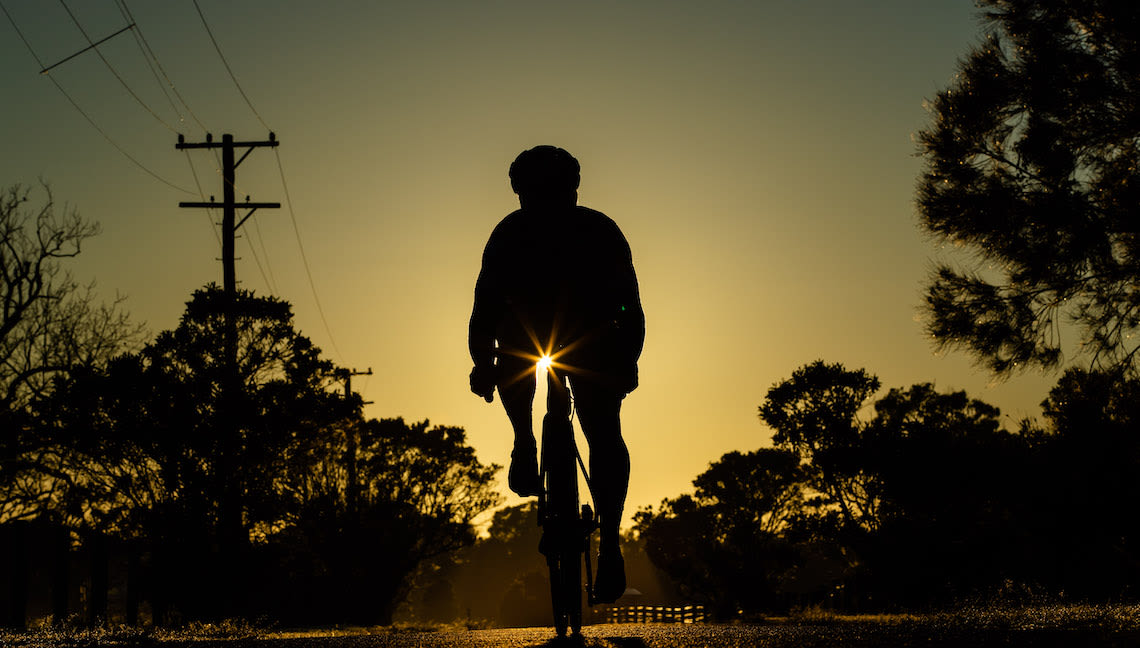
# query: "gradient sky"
{"type": "Point", "coordinates": [759, 157]}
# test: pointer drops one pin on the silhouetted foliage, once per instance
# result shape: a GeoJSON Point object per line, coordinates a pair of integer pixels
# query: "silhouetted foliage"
{"type": "Point", "coordinates": [724, 545]}
{"type": "Point", "coordinates": [335, 512]}
{"type": "Point", "coordinates": [155, 455]}
{"type": "Point", "coordinates": [1087, 485]}
{"type": "Point", "coordinates": [1032, 164]}
{"type": "Point", "coordinates": [49, 325]}
{"type": "Point", "coordinates": [953, 486]}
{"type": "Point", "coordinates": [815, 414]}
{"type": "Point", "coordinates": [419, 489]}
{"type": "Point", "coordinates": [943, 503]}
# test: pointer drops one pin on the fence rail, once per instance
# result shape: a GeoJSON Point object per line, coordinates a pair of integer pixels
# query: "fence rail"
{"type": "Point", "coordinates": [655, 614]}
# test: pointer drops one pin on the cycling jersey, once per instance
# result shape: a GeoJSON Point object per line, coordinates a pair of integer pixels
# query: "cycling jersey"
{"type": "Point", "coordinates": [559, 278]}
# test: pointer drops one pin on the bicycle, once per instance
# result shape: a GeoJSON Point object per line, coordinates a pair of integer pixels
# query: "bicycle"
{"type": "Point", "coordinates": [567, 529]}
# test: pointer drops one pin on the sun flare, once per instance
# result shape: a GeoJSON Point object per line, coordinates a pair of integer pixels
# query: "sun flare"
{"type": "Point", "coordinates": [544, 363]}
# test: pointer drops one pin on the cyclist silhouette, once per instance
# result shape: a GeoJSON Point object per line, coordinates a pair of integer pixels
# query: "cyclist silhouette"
{"type": "Point", "coordinates": [557, 279]}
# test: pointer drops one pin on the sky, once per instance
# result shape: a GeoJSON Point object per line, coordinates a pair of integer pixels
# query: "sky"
{"type": "Point", "coordinates": [759, 157]}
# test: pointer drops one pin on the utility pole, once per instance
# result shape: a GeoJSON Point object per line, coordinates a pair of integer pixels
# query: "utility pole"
{"type": "Point", "coordinates": [229, 205]}
{"type": "Point", "coordinates": [351, 491]}
{"type": "Point", "coordinates": [346, 375]}
{"type": "Point", "coordinates": [233, 537]}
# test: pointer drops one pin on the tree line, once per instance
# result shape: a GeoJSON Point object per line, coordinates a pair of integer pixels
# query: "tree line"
{"type": "Point", "coordinates": [274, 500]}
{"type": "Point", "coordinates": [916, 499]}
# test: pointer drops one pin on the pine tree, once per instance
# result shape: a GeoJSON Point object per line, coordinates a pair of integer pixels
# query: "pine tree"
{"type": "Point", "coordinates": [1033, 165]}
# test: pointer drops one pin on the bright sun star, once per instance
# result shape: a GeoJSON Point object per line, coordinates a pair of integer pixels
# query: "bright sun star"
{"type": "Point", "coordinates": [544, 363]}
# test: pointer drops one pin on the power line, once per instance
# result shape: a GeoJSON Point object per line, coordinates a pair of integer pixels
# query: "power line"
{"type": "Point", "coordinates": [227, 65]}
{"type": "Point", "coordinates": [152, 61]}
{"type": "Point", "coordinates": [114, 71]}
{"type": "Point", "coordinates": [75, 105]}
{"type": "Point", "coordinates": [304, 259]}
{"type": "Point", "coordinates": [257, 262]}
{"type": "Point", "coordinates": [202, 195]}
{"type": "Point", "coordinates": [149, 55]}
{"type": "Point", "coordinates": [149, 63]}
{"type": "Point", "coordinates": [272, 280]}
{"type": "Point", "coordinates": [21, 35]}
{"type": "Point", "coordinates": [284, 184]}
{"type": "Point", "coordinates": [115, 144]}
{"type": "Point", "coordinates": [139, 33]}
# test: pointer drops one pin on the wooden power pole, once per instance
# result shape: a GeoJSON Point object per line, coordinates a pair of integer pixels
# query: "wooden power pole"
{"type": "Point", "coordinates": [229, 205]}
{"type": "Point", "coordinates": [233, 538]}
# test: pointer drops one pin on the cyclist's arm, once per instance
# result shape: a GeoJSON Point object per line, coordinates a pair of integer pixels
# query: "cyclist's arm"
{"type": "Point", "coordinates": [631, 317]}
{"type": "Point", "coordinates": [490, 305]}
{"type": "Point", "coordinates": [485, 316]}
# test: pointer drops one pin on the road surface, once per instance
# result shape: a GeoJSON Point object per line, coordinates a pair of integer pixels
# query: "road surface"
{"type": "Point", "coordinates": [799, 635]}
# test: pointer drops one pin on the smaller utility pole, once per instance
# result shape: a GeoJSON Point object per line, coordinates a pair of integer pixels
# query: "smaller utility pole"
{"type": "Point", "coordinates": [352, 489]}
{"type": "Point", "coordinates": [346, 375]}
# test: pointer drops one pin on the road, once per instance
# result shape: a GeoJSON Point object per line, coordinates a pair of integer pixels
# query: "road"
{"type": "Point", "coordinates": [800, 635]}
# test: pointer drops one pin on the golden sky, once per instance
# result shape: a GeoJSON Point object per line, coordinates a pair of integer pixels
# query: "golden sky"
{"type": "Point", "coordinates": [757, 155]}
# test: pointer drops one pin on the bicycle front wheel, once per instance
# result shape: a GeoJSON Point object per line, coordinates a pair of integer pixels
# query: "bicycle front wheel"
{"type": "Point", "coordinates": [562, 542]}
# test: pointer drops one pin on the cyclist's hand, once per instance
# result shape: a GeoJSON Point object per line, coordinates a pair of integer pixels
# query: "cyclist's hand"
{"type": "Point", "coordinates": [483, 382]}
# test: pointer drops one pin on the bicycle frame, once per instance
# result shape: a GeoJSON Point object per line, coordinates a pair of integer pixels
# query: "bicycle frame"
{"type": "Point", "coordinates": [566, 527]}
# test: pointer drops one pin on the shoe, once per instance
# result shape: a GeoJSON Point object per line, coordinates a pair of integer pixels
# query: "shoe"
{"type": "Point", "coordinates": [610, 583]}
{"type": "Point", "coordinates": [523, 477]}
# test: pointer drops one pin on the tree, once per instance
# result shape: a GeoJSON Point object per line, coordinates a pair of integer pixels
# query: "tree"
{"type": "Point", "coordinates": [50, 325]}
{"type": "Point", "coordinates": [1087, 467]}
{"type": "Point", "coordinates": [724, 544]}
{"type": "Point", "coordinates": [758, 490]}
{"type": "Point", "coordinates": [954, 488]}
{"type": "Point", "coordinates": [815, 414]}
{"type": "Point", "coordinates": [1033, 165]}
{"type": "Point", "coordinates": [420, 487]}
{"type": "Point", "coordinates": [140, 451]}
{"type": "Point", "coordinates": [922, 498]}
{"type": "Point", "coordinates": [144, 455]}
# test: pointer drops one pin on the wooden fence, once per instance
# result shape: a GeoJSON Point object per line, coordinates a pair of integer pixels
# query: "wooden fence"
{"type": "Point", "coordinates": [654, 614]}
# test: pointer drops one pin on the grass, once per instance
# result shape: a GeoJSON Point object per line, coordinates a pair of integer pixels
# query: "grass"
{"type": "Point", "coordinates": [70, 634]}
{"type": "Point", "coordinates": [1046, 624]}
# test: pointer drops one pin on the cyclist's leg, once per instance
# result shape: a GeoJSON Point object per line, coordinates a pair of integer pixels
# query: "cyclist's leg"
{"type": "Point", "coordinates": [516, 391]}
{"type": "Point", "coordinates": [599, 409]}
